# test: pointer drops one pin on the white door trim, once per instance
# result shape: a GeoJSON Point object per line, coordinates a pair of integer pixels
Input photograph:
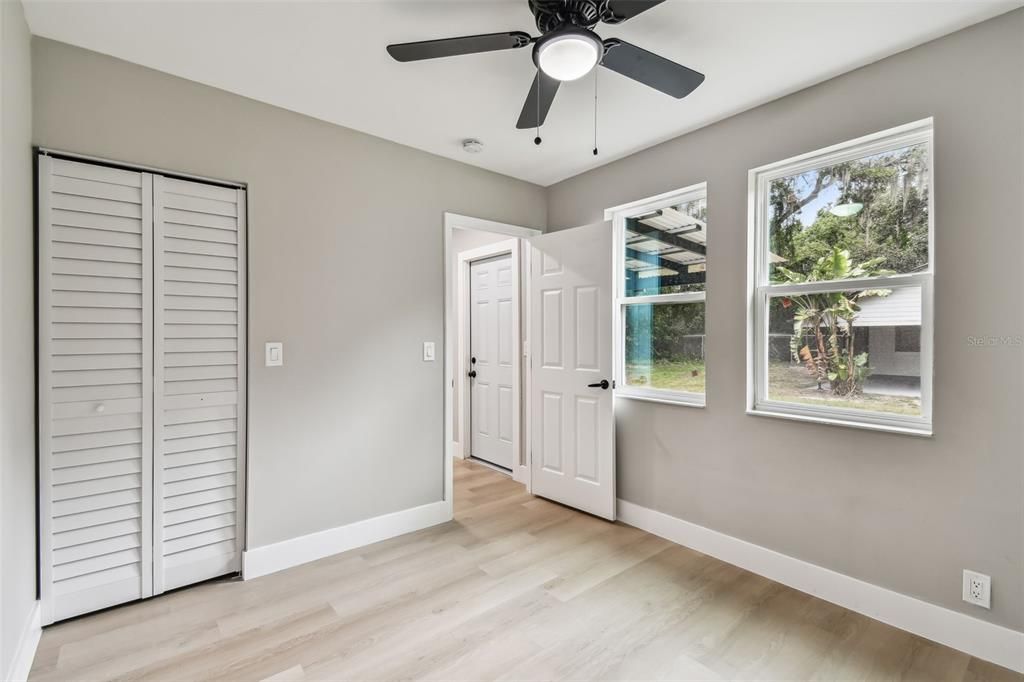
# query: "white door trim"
{"type": "Point", "coordinates": [451, 333]}
{"type": "Point", "coordinates": [512, 248]}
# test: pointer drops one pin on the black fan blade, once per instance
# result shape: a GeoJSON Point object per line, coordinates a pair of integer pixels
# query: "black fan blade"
{"type": "Point", "coordinates": [450, 47]}
{"type": "Point", "coordinates": [621, 10]}
{"type": "Point", "coordinates": [535, 110]}
{"type": "Point", "coordinates": [650, 69]}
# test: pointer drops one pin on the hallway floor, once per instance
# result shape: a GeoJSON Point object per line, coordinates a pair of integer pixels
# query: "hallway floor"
{"type": "Point", "coordinates": [515, 587]}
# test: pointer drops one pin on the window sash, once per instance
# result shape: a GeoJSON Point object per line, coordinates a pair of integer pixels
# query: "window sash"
{"type": "Point", "coordinates": [656, 394]}
{"type": "Point", "coordinates": [682, 297]}
{"type": "Point", "coordinates": [761, 403]}
{"type": "Point", "coordinates": [883, 282]}
{"type": "Point", "coordinates": [919, 132]}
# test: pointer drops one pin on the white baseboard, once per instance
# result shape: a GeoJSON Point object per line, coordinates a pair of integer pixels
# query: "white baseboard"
{"type": "Point", "coordinates": [25, 652]}
{"type": "Point", "coordinates": [281, 555]}
{"type": "Point", "coordinates": [978, 638]}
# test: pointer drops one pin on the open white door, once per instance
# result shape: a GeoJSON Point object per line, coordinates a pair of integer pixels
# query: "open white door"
{"type": "Point", "coordinates": [573, 429]}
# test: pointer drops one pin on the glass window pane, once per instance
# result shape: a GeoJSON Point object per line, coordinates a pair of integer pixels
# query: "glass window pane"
{"type": "Point", "coordinates": [666, 250]}
{"type": "Point", "coordinates": [844, 350]}
{"type": "Point", "coordinates": [664, 346]}
{"type": "Point", "coordinates": [875, 209]}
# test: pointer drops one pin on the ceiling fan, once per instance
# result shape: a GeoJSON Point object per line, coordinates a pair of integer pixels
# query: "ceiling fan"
{"type": "Point", "coordinates": [566, 50]}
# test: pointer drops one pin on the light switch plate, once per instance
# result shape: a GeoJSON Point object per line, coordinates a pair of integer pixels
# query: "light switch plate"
{"type": "Point", "coordinates": [275, 354]}
{"type": "Point", "coordinates": [428, 351]}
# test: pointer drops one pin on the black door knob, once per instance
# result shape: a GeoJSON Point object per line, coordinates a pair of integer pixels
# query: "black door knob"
{"type": "Point", "coordinates": [603, 384]}
{"type": "Point", "coordinates": [472, 374]}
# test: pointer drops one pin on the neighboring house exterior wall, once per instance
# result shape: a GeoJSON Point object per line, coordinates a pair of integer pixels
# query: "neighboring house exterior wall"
{"type": "Point", "coordinates": [883, 358]}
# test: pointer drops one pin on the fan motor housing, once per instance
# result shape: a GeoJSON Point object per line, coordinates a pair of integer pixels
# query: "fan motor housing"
{"type": "Point", "coordinates": [552, 15]}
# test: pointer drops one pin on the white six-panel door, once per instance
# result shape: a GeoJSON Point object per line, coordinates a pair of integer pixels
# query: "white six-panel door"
{"type": "Point", "coordinates": [573, 431]}
{"type": "Point", "coordinates": [128, 501]}
{"type": "Point", "coordinates": [492, 345]}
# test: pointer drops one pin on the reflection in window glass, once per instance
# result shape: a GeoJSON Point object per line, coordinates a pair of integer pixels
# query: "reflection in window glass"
{"type": "Point", "coordinates": [847, 350]}
{"type": "Point", "coordinates": [664, 346]}
{"type": "Point", "coordinates": [666, 250]}
{"type": "Point", "coordinates": [875, 207]}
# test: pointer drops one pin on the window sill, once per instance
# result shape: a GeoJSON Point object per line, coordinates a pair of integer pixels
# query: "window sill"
{"type": "Point", "coordinates": [684, 401]}
{"type": "Point", "coordinates": [923, 430]}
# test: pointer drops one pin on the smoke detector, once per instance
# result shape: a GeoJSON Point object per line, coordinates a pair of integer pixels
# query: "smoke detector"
{"type": "Point", "coordinates": [471, 145]}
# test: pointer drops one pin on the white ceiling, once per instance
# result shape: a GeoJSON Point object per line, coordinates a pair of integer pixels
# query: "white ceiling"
{"type": "Point", "coordinates": [327, 59]}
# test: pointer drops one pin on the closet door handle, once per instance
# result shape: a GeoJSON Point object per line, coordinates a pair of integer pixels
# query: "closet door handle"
{"type": "Point", "coordinates": [101, 408]}
{"type": "Point", "coordinates": [472, 375]}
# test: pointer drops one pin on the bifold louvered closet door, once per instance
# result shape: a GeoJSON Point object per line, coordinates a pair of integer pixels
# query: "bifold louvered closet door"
{"type": "Point", "coordinates": [141, 384]}
{"type": "Point", "coordinates": [200, 355]}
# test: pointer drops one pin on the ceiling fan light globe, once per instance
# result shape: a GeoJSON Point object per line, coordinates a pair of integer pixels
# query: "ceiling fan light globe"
{"type": "Point", "coordinates": [569, 55]}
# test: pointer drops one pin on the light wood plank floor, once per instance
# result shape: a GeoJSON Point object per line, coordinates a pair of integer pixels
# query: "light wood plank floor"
{"type": "Point", "coordinates": [514, 588]}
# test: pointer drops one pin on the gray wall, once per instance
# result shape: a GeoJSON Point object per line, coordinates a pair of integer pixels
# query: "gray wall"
{"type": "Point", "coordinates": [345, 267]}
{"type": "Point", "coordinates": [902, 512]}
{"type": "Point", "coordinates": [464, 240]}
{"type": "Point", "coordinates": [17, 339]}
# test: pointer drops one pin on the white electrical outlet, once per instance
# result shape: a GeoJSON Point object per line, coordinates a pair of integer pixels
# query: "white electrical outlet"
{"type": "Point", "coordinates": [977, 589]}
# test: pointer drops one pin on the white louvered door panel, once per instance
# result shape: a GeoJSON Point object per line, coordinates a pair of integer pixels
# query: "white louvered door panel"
{"type": "Point", "coordinates": [199, 381]}
{"type": "Point", "coordinates": [95, 386]}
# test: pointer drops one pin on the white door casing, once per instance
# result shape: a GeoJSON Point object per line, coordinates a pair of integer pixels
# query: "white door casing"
{"type": "Point", "coordinates": [492, 350]}
{"type": "Point", "coordinates": [573, 428]}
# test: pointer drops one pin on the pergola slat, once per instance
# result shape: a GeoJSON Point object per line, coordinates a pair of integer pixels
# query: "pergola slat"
{"type": "Point", "coordinates": [637, 227]}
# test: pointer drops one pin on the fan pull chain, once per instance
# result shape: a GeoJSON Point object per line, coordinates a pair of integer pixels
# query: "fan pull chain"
{"type": "Point", "coordinates": [537, 139]}
{"type": "Point", "coordinates": [595, 111]}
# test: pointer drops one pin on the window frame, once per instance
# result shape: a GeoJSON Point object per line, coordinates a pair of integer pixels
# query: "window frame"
{"type": "Point", "coordinates": [618, 216]}
{"type": "Point", "coordinates": [760, 289]}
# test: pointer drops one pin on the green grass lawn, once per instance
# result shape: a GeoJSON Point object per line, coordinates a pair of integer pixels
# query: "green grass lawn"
{"type": "Point", "coordinates": [794, 384]}
{"type": "Point", "coordinates": [687, 375]}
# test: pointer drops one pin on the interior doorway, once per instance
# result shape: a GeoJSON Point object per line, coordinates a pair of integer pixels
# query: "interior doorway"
{"type": "Point", "coordinates": [486, 375]}
{"type": "Point", "coordinates": [561, 426]}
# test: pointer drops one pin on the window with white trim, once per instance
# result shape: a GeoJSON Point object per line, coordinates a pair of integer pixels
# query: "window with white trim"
{"type": "Point", "coordinates": [841, 283]}
{"type": "Point", "coordinates": [661, 270]}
